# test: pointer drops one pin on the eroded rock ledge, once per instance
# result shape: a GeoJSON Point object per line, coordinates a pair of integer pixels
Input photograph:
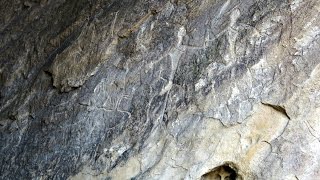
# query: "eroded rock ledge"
{"type": "Point", "coordinates": [179, 89]}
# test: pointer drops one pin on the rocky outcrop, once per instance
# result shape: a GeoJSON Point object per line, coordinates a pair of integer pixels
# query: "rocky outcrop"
{"type": "Point", "coordinates": [170, 89]}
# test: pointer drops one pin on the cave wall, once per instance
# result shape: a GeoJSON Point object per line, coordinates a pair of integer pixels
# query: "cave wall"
{"type": "Point", "coordinates": [159, 89]}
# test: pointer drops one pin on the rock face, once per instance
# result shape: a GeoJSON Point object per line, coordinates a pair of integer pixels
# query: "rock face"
{"type": "Point", "coordinates": [159, 89]}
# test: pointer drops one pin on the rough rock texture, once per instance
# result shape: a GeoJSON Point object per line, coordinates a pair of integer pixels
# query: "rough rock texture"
{"type": "Point", "coordinates": [159, 89]}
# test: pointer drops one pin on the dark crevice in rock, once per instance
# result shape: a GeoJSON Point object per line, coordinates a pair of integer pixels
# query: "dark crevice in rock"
{"type": "Point", "coordinates": [278, 108]}
{"type": "Point", "coordinates": [227, 171]}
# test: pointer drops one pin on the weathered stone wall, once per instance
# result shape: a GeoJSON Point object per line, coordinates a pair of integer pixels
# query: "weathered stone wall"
{"type": "Point", "coordinates": [169, 89]}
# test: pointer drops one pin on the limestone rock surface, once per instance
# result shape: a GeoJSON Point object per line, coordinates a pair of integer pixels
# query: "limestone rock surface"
{"type": "Point", "coordinates": [160, 89]}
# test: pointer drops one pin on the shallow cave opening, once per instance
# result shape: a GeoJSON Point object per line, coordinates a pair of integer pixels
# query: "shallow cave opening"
{"type": "Point", "coordinates": [227, 171]}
